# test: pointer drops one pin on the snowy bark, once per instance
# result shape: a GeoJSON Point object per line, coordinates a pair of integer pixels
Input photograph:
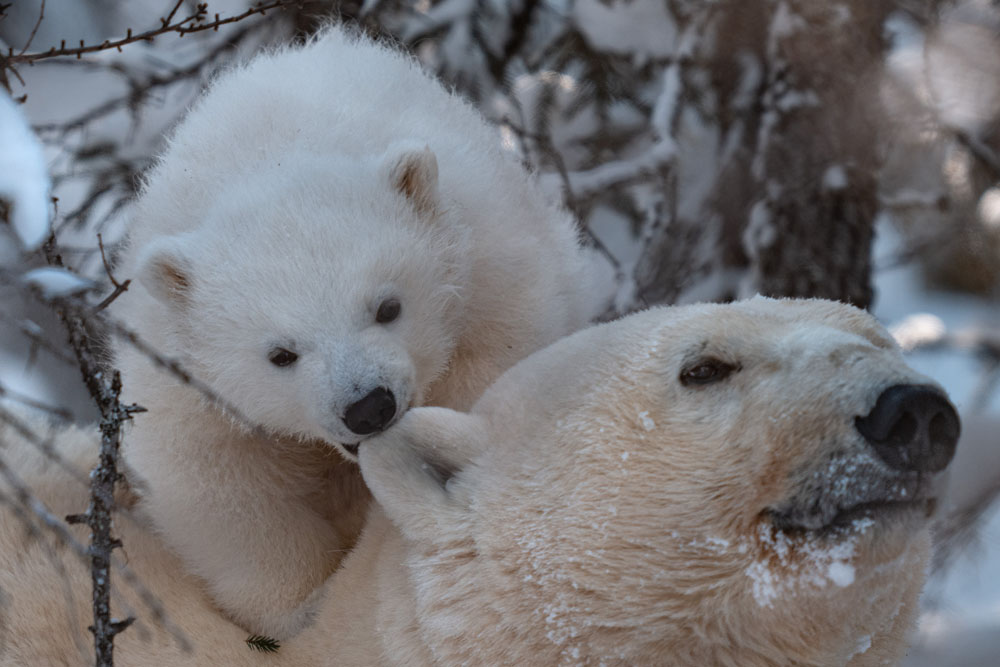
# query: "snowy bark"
{"type": "Point", "coordinates": [795, 196]}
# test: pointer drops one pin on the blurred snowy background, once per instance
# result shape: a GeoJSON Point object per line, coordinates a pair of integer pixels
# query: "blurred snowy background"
{"type": "Point", "coordinates": [846, 149]}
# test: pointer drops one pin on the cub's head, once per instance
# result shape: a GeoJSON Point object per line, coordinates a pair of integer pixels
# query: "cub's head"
{"type": "Point", "coordinates": [319, 298]}
{"type": "Point", "coordinates": [720, 484]}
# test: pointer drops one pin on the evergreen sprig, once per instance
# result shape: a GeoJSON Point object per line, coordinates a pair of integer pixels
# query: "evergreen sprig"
{"type": "Point", "coordinates": [263, 644]}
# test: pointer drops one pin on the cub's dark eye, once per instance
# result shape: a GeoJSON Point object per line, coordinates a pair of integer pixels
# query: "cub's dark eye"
{"type": "Point", "coordinates": [706, 371]}
{"type": "Point", "coordinates": [387, 311]}
{"type": "Point", "coordinates": [279, 356]}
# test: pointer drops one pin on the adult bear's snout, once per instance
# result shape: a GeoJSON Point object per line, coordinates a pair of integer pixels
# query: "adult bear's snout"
{"type": "Point", "coordinates": [912, 428]}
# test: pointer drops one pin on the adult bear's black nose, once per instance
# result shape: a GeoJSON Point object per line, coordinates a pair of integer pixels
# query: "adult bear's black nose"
{"type": "Point", "coordinates": [372, 413]}
{"type": "Point", "coordinates": [912, 427]}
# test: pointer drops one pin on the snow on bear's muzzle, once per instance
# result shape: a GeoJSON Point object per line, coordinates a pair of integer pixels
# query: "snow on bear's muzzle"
{"type": "Point", "coordinates": [907, 440]}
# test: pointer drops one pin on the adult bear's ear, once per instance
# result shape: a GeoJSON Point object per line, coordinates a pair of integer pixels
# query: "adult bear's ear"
{"type": "Point", "coordinates": [415, 470]}
{"type": "Point", "coordinates": [165, 271]}
{"type": "Point", "coordinates": [412, 170]}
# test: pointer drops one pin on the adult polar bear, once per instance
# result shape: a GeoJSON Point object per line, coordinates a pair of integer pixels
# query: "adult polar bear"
{"type": "Point", "coordinates": [329, 238]}
{"type": "Point", "coordinates": [734, 485]}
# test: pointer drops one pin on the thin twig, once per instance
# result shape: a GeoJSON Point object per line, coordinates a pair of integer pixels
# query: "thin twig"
{"type": "Point", "coordinates": [190, 24]}
{"type": "Point", "coordinates": [76, 308]}
{"type": "Point", "coordinates": [36, 335]}
{"type": "Point", "coordinates": [56, 560]}
{"type": "Point", "coordinates": [58, 527]}
{"type": "Point", "coordinates": [34, 31]}
{"type": "Point", "coordinates": [173, 11]}
{"type": "Point", "coordinates": [174, 367]}
{"type": "Point", "coordinates": [140, 90]}
{"type": "Point", "coordinates": [569, 196]}
{"type": "Point", "coordinates": [43, 445]}
{"type": "Point", "coordinates": [59, 413]}
{"type": "Point", "coordinates": [119, 287]}
{"type": "Point", "coordinates": [106, 392]}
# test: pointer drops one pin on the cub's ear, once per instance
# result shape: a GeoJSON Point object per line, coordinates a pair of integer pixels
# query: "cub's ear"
{"type": "Point", "coordinates": [412, 170]}
{"type": "Point", "coordinates": [165, 271]}
{"type": "Point", "coordinates": [414, 469]}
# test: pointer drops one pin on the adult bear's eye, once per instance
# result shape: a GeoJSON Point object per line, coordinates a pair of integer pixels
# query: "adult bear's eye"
{"type": "Point", "coordinates": [279, 356]}
{"type": "Point", "coordinates": [706, 371]}
{"type": "Point", "coordinates": [387, 311]}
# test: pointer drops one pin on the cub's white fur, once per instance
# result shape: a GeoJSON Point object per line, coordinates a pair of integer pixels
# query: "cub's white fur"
{"type": "Point", "coordinates": [590, 510]}
{"type": "Point", "coordinates": [302, 191]}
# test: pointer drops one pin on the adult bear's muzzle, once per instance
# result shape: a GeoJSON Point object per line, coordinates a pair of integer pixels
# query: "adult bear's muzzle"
{"type": "Point", "coordinates": [912, 428]}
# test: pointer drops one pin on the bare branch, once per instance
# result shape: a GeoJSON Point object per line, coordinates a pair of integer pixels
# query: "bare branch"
{"type": "Point", "coordinates": [36, 335]}
{"type": "Point", "coordinates": [119, 287]}
{"type": "Point", "coordinates": [43, 445]}
{"type": "Point", "coordinates": [190, 24]}
{"type": "Point", "coordinates": [175, 368]}
{"type": "Point", "coordinates": [99, 514]}
{"type": "Point", "coordinates": [142, 88]}
{"type": "Point", "coordinates": [61, 414]}
{"type": "Point", "coordinates": [34, 31]}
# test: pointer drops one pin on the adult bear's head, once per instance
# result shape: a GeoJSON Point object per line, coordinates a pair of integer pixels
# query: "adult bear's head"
{"type": "Point", "coordinates": [743, 484]}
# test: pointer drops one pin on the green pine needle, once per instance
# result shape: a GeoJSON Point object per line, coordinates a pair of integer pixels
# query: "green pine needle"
{"type": "Point", "coordinates": [263, 644]}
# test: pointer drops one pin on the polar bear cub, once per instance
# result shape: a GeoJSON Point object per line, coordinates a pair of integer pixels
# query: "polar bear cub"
{"type": "Point", "coordinates": [733, 485]}
{"type": "Point", "coordinates": [329, 239]}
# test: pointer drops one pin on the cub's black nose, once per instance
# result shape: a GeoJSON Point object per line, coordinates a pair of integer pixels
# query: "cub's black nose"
{"type": "Point", "coordinates": [372, 413]}
{"type": "Point", "coordinates": [912, 428]}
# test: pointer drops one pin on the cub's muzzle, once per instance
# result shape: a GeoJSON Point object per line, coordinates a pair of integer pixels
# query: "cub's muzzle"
{"type": "Point", "coordinates": [372, 413]}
